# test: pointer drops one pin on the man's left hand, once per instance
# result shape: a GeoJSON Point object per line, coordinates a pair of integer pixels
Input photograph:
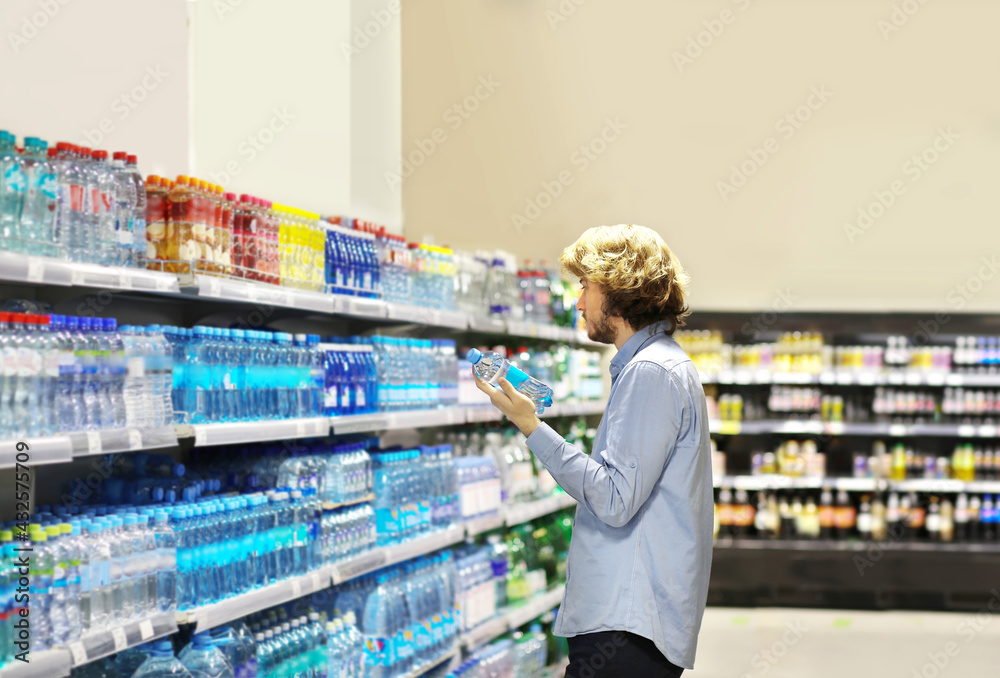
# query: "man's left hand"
{"type": "Point", "coordinates": [517, 406]}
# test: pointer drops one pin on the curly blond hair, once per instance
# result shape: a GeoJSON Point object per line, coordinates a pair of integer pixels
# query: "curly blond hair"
{"type": "Point", "coordinates": [643, 281]}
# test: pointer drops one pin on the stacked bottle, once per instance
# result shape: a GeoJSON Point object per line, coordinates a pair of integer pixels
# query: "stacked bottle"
{"type": "Point", "coordinates": [71, 202]}
{"type": "Point", "coordinates": [415, 492]}
{"type": "Point", "coordinates": [64, 373]}
{"type": "Point", "coordinates": [350, 383]}
{"type": "Point", "coordinates": [415, 373]}
{"type": "Point", "coordinates": [352, 262]}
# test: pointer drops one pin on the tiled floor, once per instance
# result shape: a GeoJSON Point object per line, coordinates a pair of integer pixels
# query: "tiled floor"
{"type": "Point", "coordinates": [794, 643]}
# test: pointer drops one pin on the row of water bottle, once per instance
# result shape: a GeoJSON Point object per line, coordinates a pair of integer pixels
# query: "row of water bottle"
{"type": "Point", "coordinates": [339, 472]}
{"type": "Point", "coordinates": [352, 262]}
{"type": "Point", "coordinates": [479, 487]}
{"type": "Point", "coordinates": [71, 202]}
{"type": "Point", "coordinates": [227, 546]}
{"type": "Point", "coordinates": [346, 532]}
{"type": "Point", "coordinates": [67, 373]}
{"type": "Point", "coordinates": [524, 655]}
{"type": "Point", "coordinates": [415, 492]}
{"type": "Point", "coordinates": [415, 373]}
{"type": "Point", "coordinates": [226, 375]}
{"type": "Point", "coordinates": [350, 379]}
{"type": "Point", "coordinates": [89, 575]}
{"type": "Point", "coordinates": [407, 612]}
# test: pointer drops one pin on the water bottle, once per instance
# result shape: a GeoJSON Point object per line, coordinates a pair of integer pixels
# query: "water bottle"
{"type": "Point", "coordinates": [123, 209]}
{"type": "Point", "coordinates": [13, 185]}
{"type": "Point", "coordinates": [40, 589]}
{"type": "Point", "coordinates": [161, 663]}
{"type": "Point", "coordinates": [38, 217]}
{"type": "Point", "coordinates": [78, 579]}
{"type": "Point", "coordinates": [102, 199]}
{"type": "Point", "coordinates": [129, 661]}
{"type": "Point", "coordinates": [490, 366]}
{"type": "Point", "coordinates": [101, 594]}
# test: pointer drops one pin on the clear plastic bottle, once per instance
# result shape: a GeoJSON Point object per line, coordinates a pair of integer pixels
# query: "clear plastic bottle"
{"type": "Point", "coordinates": [101, 594]}
{"type": "Point", "coordinates": [124, 210]}
{"type": "Point", "coordinates": [490, 366]}
{"type": "Point", "coordinates": [38, 218]}
{"type": "Point", "coordinates": [13, 187]}
{"type": "Point", "coordinates": [102, 200]}
{"type": "Point", "coordinates": [40, 572]}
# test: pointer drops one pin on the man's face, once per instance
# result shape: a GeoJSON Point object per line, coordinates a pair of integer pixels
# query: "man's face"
{"type": "Point", "coordinates": [591, 306]}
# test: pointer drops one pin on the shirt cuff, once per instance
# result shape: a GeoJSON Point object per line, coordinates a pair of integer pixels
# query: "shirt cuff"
{"type": "Point", "coordinates": [543, 441]}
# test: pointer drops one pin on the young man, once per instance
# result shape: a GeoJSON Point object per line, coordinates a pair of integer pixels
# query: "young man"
{"type": "Point", "coordinates": [639, 560]}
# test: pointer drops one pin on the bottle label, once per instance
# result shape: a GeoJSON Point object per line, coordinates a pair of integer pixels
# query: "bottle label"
{"type": "Point", "coordinates": [52, 363]}
{"type": "Point", "coordinates": [378, 651]}
{"type": "Point", "coordinates": [14, 178]}
{"type": "Point", "coordinates": [30, 362]}
{"type": "Point", "coordinates": [48, 186]}
{"type": "Point", "coordinates": [516, 377]}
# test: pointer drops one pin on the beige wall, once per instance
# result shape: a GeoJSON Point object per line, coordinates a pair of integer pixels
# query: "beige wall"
{"type": "Point", "coordinates": [88, 72]}
{"type": "Point", "coordinates": [565, 68]}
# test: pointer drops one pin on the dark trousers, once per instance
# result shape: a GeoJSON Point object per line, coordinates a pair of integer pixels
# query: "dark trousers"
{"type": "Point", "coordinates": [617, 654]}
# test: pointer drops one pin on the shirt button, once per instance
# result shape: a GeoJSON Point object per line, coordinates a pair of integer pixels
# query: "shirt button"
{"type": "Point", "coordinates": [631, 464]}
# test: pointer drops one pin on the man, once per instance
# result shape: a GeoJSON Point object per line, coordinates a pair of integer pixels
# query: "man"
{"type": "Point", "coordinates": [639, 560]}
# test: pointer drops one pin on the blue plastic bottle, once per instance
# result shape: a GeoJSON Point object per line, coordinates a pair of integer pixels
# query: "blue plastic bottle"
{"type": "Point", "coordinates": [490, 366]}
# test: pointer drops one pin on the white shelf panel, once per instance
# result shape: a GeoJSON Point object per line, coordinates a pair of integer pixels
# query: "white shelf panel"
{"type": "Point", "coordinates": [444, 416]}
{"type": "Point", "coordinates": [926, 485]}
{"type": "Point", "coordinates": [515, 514]}
{"type": "Point", "coordinates": [519, 616]}
{"type": "Point", "coordinates": [480, 525]}
{"type": "Point", "coordinates": [330, 506]}
{"type": "Point", "coordinates": [206, 435]}
{"type": "Point", "coordinates": [45, 271]}
{"type": "Point", "coordinates": [248, 291]}
{"type": "Point", "coordinates": [513, 617]}
{"type": "Point", "coordinates": [47, 664]}
{"type": "Point", "coordinates": [210, 616]}
{"type": "Point", "coordinates": [89, 443]}
{"type": "Point", "coordinates": [426, 316]}
{"type": "Point", "coordinates": [478, 413]}
{"type": "Point", "coordinates": [97, 645]}
{"type": "Point", "coordinates": [357, 423]}
{"type": "Point", "coordinates": [362, 307]}
{"type": "Point", "coordinates": [48, 450]}
{"type": "Point", "coordinates": [487, 324]}
{"type": "Point", "coordinates": [430, 543]}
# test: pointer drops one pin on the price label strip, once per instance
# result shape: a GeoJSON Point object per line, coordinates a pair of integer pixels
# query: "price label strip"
{"type": "Point", "coordinates": [121, 639]}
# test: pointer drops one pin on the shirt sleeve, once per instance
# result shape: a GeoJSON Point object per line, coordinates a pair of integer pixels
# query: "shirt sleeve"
{"type": "Point", "coordinates": [643, 422]}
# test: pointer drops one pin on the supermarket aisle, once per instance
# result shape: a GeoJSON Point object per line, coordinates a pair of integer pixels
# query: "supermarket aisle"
{"type": "Point", "coordinates": [799, 643]}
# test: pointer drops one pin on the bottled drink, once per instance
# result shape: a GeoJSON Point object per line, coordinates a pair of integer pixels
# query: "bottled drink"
{"type": "Point", "coordinates": [13, 185]}
{"type": "Point", "coordinates": [490, 366]}
{"type": "Point", "coordinates": [38, 232]}
{"type": "Point", "coordinates": [162, 663]}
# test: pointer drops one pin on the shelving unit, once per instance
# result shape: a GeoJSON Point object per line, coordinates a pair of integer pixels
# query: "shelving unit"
{"type": "Point", "coordinates": [128, 283]}
{"type": "Point", "coordinates": [852, 378]}
{"type": "Point", "coordinates": [780, 482]}
{"type": "Point", "coordinates": [837, 428]}
{"type": "Point", "coordinates": [513, 617]}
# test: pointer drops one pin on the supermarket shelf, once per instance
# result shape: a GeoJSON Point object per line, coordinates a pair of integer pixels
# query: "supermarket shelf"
{"type": "Point", "coordinates": [370, 561]}
{"type": "Point", "coordinates": [248, 291]}
{"type": "Point", "coordinates": [487, 324]}
{"type": "Point", "coordinates": [427, 666]}
{"type": "Point", "coordinates": [330, 506]}
{"type": "Point", "coordinates": [837, 428]}
{"type": "Point", "coordinates": [254, 431]}
{"type": "Point", "coordinates": [513, 617]}
{"type": "Point", "coordinates": [362, 307]}
{"type": "Point", "coordinates": [851, 378]}
{"type": "Point", "coordinates": [444, 416]}
{"type": "Point", "coordinates": [210, 616]}
{"type": "Point", "coordinates": [45, 271]}
{"type": "Point", "coordinates": [478, 413]}
{"type": "Point", "coordinates": [523, 513]}
{"type": "Point", "coordinates": [832, 545]}
{"type": "Point", "coordinates": [88, 443]}
{"type": "Point", "coordinates": [426, 316]}
{"type": "Point", "coordinates": [485, 524]}
{"type": "Point", "coordinates": [97, 645]}
{"type": "Point", "coordinates": [929, 485]}
{"type": "Point", "coordinates": [48, 450]}
{"type": "Point", "coordinates": [47, 664]}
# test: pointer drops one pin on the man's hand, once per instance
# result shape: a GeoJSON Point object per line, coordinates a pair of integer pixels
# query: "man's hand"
{"type": "Point", "coordinates": [517, 406]}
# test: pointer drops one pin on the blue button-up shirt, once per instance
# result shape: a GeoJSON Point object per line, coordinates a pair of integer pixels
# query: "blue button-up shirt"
{"type": "Point", "coordinates": [641, 550]}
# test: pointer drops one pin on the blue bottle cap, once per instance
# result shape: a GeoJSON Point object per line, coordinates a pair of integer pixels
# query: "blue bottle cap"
{"type": "Point", "coordinates": [474, 355]}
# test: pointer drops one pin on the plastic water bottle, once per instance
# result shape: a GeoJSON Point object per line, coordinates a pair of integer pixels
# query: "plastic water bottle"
{"type": "Point", "coordinates": [102, 202]}
{"type": "Point", "coordinates": [101, 594]}
{"type": "Point", "coordinates": [38, 218]}
{"type": "Point", "coordinates": [13, 185]}
{"type": "Point", "coordinates": [162, 663]}
{"type": "Point", "coordinates": [123, 208]}
{"type": "Point", "coordinates": [490, 366]}
{"type": "Point", "coordinates": [40, 589]}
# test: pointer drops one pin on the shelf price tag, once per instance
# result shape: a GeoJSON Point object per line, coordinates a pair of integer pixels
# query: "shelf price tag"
{"type": "Point", "coordinates": [866, 378]}
{"type": "Point", "coordinates": [200, 436]}
{"type": "Point", "coordinates": [317, 581]}
{"type": "Point", "coordinates": [124, 279]}
{"type": "Point", "coordinates": [163, 283]}
{"type": "Point", "coordinates": [213, 287]}
{"type": "Point", "coordinates": [966, 431]}
{"type": "Point", "coordinates": [134, 439]}
{"type": "Point", "coordinates": [146, 629]}
{"type": "Point", "coordinates": [94, 442]}
{"type": "Point", "coordinates": [300, 429]}
{"type": "Point", "coordinates": [987, 431]}
{"type": "Point", "coordinates": [79, 653]}
{"type": "Point", "coordinates": [120, 638]}
{"type": "Point", "coordinates": [897, 430]}
{"type": "Point", "coordinates": [296, 588]}
{"type": "Point", "coordinates": [36, 270]}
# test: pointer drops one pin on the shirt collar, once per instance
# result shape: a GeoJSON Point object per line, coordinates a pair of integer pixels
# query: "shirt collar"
{"type": "Point", "coordinates": [634, 343]}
